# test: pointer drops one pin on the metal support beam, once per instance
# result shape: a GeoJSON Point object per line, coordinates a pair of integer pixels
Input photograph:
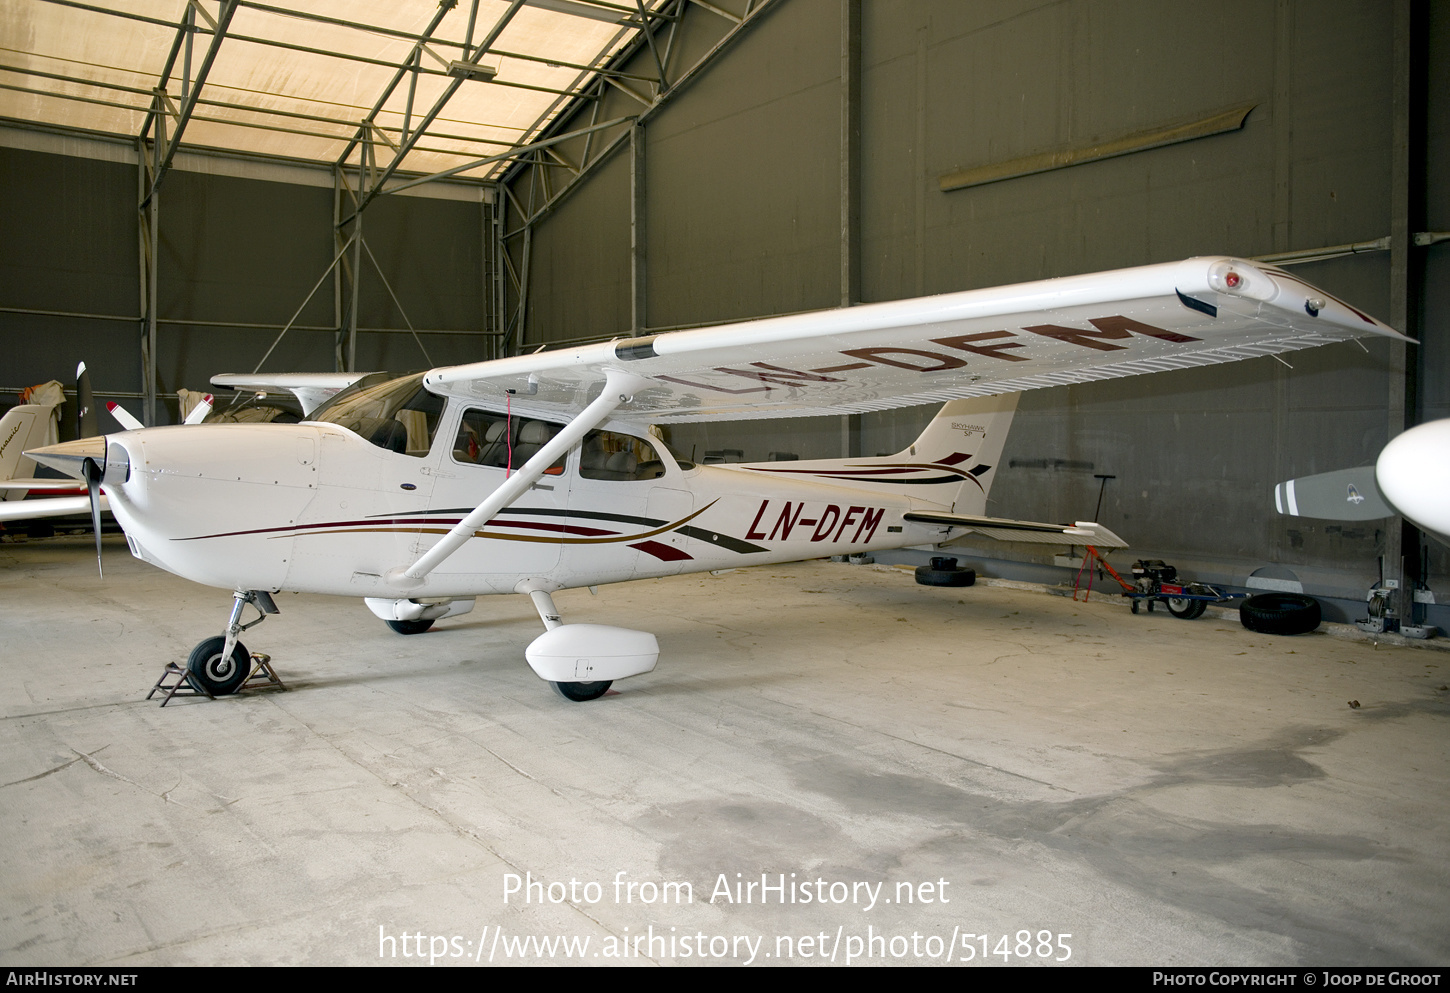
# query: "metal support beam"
{"type": "Point", "coordinates": [649, 36]}
{"type": "Point", "coordinates": [146, 288]}
{"type": "Point", "coordinates": [362, 132]}
{"type": "Point", "coordinates": [188, 104]}
{"type": "Point", "coordinates": [850, 152]}
{"type": "Point", "coordinates": [338, 184]}
{"type": "Point", "coordinates": [438, 105]}
{"type": "Point", "coordinates": [305, 301]}
{"type": "Point", "coordinates": [513, 153]}
{"type": "Point", "coordinates": [396, 302]}
{"type": "Point", "coordinates": [850, 187]}
{"type": "Point", "coordinates": [357, 226]}
{"type": "Point", "coordinates": [534, 212]}
{"type": "Point", "coordinates": [1402, 543]}
{"type": "Point", "coordinates": [637, 232]}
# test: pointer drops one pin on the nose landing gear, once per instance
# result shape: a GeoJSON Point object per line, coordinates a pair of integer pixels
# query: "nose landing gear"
{"type": "Point", "coordinates": [220, 665]}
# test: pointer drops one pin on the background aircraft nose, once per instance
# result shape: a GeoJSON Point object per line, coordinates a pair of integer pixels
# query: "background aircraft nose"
{"type": "Point", "coordinates": [1413, 471]}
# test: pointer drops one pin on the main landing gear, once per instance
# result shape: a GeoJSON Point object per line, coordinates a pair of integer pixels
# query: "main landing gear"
{"type": "Point", "coordinates": [579, 692]}
{"type": "Point", "coordinates": [220, 665]}
{"type": "Point", "coordinates": [582, 660]}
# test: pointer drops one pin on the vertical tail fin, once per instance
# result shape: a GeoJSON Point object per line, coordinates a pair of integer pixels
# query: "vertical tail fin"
{"type": "Point", "coordinates": [23, 427]}
{"type": "Point", "coordinates": [964, 438]}
{"type": "Point", "coordinates": [951, 464]}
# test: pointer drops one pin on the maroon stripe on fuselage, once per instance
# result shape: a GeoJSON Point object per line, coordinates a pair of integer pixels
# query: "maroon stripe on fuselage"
{"type": "Point", "coordinates": [409, 522]}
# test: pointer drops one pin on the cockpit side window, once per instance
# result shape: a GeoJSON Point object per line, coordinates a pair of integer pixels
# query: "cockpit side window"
{"type": "Point", "coordinates": [487, 438]}
{"type": "Point", "coordinates": [399, 415]}
{"type": "Point", "coordinates": [611, 455]}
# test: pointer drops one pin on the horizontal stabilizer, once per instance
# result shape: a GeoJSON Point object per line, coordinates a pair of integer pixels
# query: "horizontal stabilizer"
{"type": "Point", "coordinates": [1003, 529]}
{"type": "Point", "coordinates": [1344, 495]}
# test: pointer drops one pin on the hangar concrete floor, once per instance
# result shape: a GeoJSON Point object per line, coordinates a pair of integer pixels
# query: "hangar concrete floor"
{"type": "Point", "coordinates": [979, 763]}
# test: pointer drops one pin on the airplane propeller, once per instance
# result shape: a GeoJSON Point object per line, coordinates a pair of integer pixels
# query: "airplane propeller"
{"type": "Point", "coordinates": [199, 412]}
{"type": "Point", "coordinates": [94, 461]}
{"type": "Point", "coordinates": [126, 419]}
{"type": "Point", "coordinates": [92, 474]}
{"type": "Point", "coordinates": [85, 404]}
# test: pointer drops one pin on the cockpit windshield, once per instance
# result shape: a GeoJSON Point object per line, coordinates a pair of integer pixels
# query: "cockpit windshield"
{"type": "Point", "coordinates": [399, 415]}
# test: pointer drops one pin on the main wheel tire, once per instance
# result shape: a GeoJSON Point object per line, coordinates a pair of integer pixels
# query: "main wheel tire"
{"type": "Point", "coordinates": [217, 675]}
{"type": "Point", "coordinates": [409, 627]}
{"type": "Point", "coordinates": [1186, 608]}
{"type": "Point", "coordinates": [579, 692]}
{"type": "Point", "coordinates": [1280, 613]}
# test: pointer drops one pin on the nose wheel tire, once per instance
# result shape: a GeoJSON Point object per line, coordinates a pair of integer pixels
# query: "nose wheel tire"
{"type": "Point", "coordinates": [409, 627]}
{"type": "Point", "coordinates": [219, 676]}
{"type": "Point", "coordinates": [579, 692]}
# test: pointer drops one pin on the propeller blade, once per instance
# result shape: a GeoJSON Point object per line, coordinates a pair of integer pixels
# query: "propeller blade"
{"type": "Point", "coordinates": [1345, 495]}
{"type": "Point", "coordinates": [93, 474]}
{"type": "Point", "coordinates": [123, 416]}
{"type": "Point", "coordinates": [199, 412]}
{"type": "Point", "coordinates": [85, 404]}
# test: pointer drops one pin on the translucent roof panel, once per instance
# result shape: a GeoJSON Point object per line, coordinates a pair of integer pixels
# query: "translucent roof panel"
{"type": "Point", "coordinates": [297, 79]}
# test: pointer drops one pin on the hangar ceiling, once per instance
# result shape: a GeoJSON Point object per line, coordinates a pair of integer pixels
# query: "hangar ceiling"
{"type": "Point", "coordinates": [385, 95]}
{"type": "Point", "coordinates": [433, 87]}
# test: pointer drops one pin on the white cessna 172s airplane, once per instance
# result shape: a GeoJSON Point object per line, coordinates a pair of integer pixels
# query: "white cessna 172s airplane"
{"type": "Point", "coordinates": [537, 473]}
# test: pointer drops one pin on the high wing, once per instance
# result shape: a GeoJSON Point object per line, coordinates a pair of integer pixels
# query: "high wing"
{"type": "Point", "coordinates": [1075, 329]}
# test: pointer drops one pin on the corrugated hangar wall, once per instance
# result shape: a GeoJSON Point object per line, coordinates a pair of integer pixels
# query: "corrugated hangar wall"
{"type": "Point", "coordinates": [741, 203]}
{"type": "Point", "coordinates": [234, 250]}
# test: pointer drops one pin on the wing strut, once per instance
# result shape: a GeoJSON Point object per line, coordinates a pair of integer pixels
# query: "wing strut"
{"type": "Point", "coordinates": [619, 388]}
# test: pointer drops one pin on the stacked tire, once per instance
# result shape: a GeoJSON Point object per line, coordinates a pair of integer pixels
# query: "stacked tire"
{"type": "Point", "coordinates": [1280, 613]}
{"type": "Point", "coordinates": [944, 572]}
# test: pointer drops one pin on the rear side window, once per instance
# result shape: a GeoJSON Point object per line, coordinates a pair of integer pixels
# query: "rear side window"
{"type": "Point", "coordinates": [611, 455]}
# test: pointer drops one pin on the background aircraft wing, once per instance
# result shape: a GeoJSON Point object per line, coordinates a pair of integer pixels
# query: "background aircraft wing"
{"type": "Point", "coordinates": [26, 510]}
{"type": "Point", "coordinates": [1074, 329]}
{"type": "Point", "coordinates": [312, 389]}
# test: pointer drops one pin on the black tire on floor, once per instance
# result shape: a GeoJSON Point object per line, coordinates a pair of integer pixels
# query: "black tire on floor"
{"type": "Point", "coordinates": [409, 627]}
{"type": "Point", "coordinates": [1280, 613]}
{"type": "Point", "coordinates": [1185, 608]}
{"type": "Point", "coordinates": [219, 676]}
{"type": "Point", "coordinates": [580, 692]}
{"type": "Point", "coordinates": [944, 572]}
